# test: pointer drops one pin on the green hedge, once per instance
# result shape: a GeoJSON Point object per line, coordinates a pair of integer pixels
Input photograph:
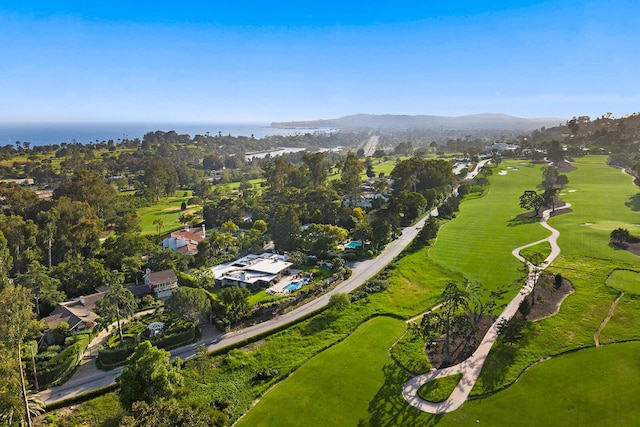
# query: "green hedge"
{"type": "Point", "coordinates": [115, 356]}
{"type": "Point", "coordinates": [62, 365]}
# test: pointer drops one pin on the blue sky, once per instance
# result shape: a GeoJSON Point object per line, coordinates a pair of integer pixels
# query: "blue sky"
{"type": "Point", "coordinates": [242, 61]}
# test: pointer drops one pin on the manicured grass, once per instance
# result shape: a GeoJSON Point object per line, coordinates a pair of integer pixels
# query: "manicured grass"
{"type": "Point", "coordinates": [602, 200]}
{"type": "Point", "coordinates": [572, 328]}
{"type": "Point", "coordinates": [335, 387]}
{"type": "Point", "coordinates": [168, 209]}
{"type": "Point", "coordinates": [439, 389]}
{"type": "Point", "coordinates": [536, 254]}
{"type": "Point", "coordinates": [581, 313]}
{"type": "Point", "coordinates": [478, 243]}
{"type": "Point", "coordinates": [415, 283]}
{"type": "Point", "coordinates": [410, 351]}
{"type": "Point", "coordinates": [625, 280]}
{"type": "Point", "coordinates": [593, 387]}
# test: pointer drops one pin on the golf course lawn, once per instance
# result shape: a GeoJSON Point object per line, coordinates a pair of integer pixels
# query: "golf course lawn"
{"type": "Point", "coordinates": [625, 280]}
{"type": "Point", "coordinates": [599, 387]}
{"type": "Point", "coordinates": [334, 388]}
{"type": "Point", "coordinates": [478, 243]}
{"type": "Point", "coordinates": [595, 387]}
{"type": "Point", "coordinates": [168, 209]}
{"type": "Point", "coordinates": [601, 200]}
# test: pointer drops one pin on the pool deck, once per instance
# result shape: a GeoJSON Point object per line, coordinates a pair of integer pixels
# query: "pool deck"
{"type": "Point", "coordinates": [279, 288]}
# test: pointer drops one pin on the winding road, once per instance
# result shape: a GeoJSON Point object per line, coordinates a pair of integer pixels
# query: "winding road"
{"type": "Point", "coordinates": [471, 367]}
{"type": "Point", "coordinates": [361, 272]}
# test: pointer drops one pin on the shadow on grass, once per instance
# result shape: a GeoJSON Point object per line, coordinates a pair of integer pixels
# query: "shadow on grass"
{"type": "Point", "coordinates": [514, 222]}
{"type": "Point", "coordinates": [495, 366]}
{"type": "Point", "coordinates": [388, 407]}
{"type": "Point", "coordinates": [634, 202]}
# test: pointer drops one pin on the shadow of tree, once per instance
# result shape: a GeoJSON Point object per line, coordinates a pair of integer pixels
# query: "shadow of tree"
{"type": "Point", "coordinates": [514, 222]}
{"type": "Point", "coordinates": [634, 202]}
{"type": "Point", "coordinates": [618, 246]}
{"type": "Point", "coordinates": [388, 407]}
{"type": "Point", "coordinates": [494, 369]}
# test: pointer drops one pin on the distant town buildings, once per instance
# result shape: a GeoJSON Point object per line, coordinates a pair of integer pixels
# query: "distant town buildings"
{"type": "Point", "coordinates": [501, 147]}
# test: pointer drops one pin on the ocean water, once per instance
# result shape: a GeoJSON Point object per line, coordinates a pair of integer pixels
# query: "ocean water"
{"type": "Point", "coordinates": [85, 133]}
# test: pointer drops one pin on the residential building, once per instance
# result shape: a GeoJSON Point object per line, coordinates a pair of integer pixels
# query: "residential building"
{"type": "Point", "coordinates": [185, 240]}
{"type": "Point", "coordinates": [78, 314]}
{"type": "Point", "coordinates": [253, 271]}
{"type": "Point", "coordinates": [162, 283]}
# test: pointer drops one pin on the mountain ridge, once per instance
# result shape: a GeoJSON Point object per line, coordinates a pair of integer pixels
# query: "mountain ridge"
{"type": "Point", "coordinates": [483, 121]}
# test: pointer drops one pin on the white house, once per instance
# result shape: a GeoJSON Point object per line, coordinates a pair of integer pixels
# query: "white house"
{"type": "Point", "coordinates": [185, 240]}
{"type": "Point", "coordinates": [253, 271]}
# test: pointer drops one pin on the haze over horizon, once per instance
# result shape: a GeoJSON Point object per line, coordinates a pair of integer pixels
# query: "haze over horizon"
{"type": "Point", "coordinates": [201, 62]}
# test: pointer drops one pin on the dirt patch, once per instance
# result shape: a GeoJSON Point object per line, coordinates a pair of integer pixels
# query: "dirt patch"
{"type": "Point", "coordinates": [564, 167]}
{"type": "Point", "coordinates": [559, 210]}
{"type": "Point", "coordinates": [546, 299]}
{"type": "Point", "coordinates": [459, 351]}
{"type": "Point", "coordinates": [253, 346]}
{"type": "Point", "coordinates": [633, 247]}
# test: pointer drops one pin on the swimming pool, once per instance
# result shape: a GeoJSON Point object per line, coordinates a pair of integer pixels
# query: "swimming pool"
{"type": "Point", "coordinates": [293, 286]}
{"type": "Point", "coordinates": [353, 245]}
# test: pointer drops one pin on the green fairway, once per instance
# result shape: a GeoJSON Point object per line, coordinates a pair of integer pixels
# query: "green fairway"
{"type": "Point", "coordinates": [439, 389]}
{"type": "Point", "coordinates": [602, 200]}
{"type": "Point", "coordinates": [571, 328]}
{"type": "Point", "coordinates": [625, 280]}
{"type": "Point", "coordinates": [536, 254]}
{"type": "Point", "coordinates": [168, 209]}
{"type": "Point", "coordinates": [335, 387]}
{"type": "Point", "coordinates": [594, 387]}
{"type": "Point", "coordinates": [478, 243]}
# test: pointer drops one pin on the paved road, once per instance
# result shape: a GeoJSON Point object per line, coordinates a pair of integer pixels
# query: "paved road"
{"type": "Point", "coordinates": [370, 145]}
{"type": "Point", "coordinates": [471, 368]}
{"type": "Point", "coordinates": [361, 272]}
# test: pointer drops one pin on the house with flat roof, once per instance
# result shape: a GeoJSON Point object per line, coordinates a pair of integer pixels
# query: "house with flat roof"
{"type": "Point", "coordinates": [253, 271]}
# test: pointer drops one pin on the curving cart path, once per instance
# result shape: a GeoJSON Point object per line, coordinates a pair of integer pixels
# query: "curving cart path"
{"type": "Point", "coordinates": [471, 367]}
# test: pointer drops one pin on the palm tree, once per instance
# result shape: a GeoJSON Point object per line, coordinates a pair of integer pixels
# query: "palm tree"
{"type": "Point", "coordinates": [159, 223]}
{"type": "Point", "coordinates": [118, 302]}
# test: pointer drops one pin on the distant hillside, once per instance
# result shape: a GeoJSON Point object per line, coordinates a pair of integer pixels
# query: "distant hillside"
{"type": "Point", "coordinates": [475, 122]}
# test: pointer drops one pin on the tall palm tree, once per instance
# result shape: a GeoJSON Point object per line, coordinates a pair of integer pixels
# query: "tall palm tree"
{"type": "Point", "coordinates": [118, 302]}
{"type": "Point", "coordinates": [159, 223]}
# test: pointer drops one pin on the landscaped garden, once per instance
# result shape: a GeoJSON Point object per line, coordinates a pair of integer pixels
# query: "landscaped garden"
{"type": "Point", "coordinates": [572, 328]}
{"type": "Point", "coordinates": [356, 381]}
{"type": "Point", "coordinates": [163, 329]}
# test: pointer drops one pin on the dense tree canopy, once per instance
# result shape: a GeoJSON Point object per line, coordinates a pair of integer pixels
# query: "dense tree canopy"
{"type": "Point", "coordinates": [148, 376]}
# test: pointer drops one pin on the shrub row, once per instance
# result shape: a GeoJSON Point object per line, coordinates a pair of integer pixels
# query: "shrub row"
{"type": "Point", "coordinates": [371, 287]}
{"type": "Point", "coordinates": [63, 364]}
{"type": "Point", "coordinates": [115, 356]}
